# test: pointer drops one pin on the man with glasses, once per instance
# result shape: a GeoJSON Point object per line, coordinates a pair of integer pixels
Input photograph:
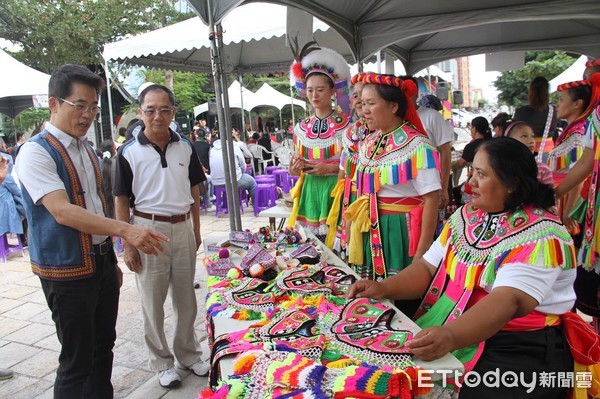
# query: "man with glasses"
{"type": "Point", "coordinates": [135, 128]}
{"type": "Point", "coordinates": [69, 236]}
{"type": "Point", "coordinates": [158, 174]}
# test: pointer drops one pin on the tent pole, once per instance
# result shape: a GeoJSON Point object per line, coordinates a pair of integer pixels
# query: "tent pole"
{"type": "Point", "coordinates": [234, 211]}
{"type": "Point", "coordinates": [280, 120]}
{"type": "Point", "coordinates": [243, 128]}
{"type": "Point", "coordinates": [110, 103]}
{"type": "Point", "coordinates": [220, 95]}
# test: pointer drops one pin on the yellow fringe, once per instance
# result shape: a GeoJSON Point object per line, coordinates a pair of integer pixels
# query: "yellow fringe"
{"type": "Point", "coordinates": [295, 193]}
{"type": "Point", "coordinates": [334, 213]}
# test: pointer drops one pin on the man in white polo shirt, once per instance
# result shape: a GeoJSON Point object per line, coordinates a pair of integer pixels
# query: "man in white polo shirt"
{"type": "Point", "coordinates": [158, 174]}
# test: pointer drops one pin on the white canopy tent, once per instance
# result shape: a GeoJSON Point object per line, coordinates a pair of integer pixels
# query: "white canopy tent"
{"type": "Point", "coordinates": [237, 95]}
{"type": "Point", "coordinates": [266, 96]}
{"type": "Point", "coordinates": [571, 74]}
{"type": "Point", "coordinates": [250, 45]}
{"type": "Point", "coordinates": [18, 85]}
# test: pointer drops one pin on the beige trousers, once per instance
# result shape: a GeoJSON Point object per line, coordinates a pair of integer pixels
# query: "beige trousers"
{"type": "Point", "coordinates": [174, 268]}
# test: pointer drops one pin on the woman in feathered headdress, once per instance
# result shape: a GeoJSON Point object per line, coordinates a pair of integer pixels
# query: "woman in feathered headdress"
{"type": "Point", "coordinates": [321, 75]}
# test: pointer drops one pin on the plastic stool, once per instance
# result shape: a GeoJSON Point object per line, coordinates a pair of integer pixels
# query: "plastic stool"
{"type": "Point", "coordinates": [281, 180]}
{"type": "Point", "coordinates": [7, 249]}
{"type": "Point", "coordinates": [221, 199]}
{"type": "Point", "coordinates": [265, 179]}
{"type": "Point", "coordinates": [265, 197]}
{"type": "Point", "coordinates": [250, 170]}
{"type": "Point", "coordinates": [269, 169]}
{"type": "Point", "coordinates": [293, 180]}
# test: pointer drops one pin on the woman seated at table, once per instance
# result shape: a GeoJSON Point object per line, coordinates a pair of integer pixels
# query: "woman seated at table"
{"type": "Point", "coordinates": [498, 281]}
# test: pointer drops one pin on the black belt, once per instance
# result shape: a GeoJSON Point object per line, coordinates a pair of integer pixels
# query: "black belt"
{"type": "Point", "coordinates": [103, 248]}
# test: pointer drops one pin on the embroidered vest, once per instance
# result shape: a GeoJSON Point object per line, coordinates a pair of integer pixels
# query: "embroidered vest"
{"type": "Point", "coordinates": [59, 252]}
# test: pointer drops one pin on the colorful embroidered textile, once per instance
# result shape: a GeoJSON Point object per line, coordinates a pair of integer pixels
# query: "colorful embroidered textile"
{"type": "Point", "coordinates": [321, 139]}
{"type": "Point", "coordinates": [590, 246]}
{"type": "Point", "coordinates": [568, 148]}
{"type": "Point", "coordinates": [364, 331]}
{"type": "Point", "coordinates": [393, 158]}
{"type": "Point", "coordinates": [277, 374]}
{"type": "Point", "coordinates": [318, 279]}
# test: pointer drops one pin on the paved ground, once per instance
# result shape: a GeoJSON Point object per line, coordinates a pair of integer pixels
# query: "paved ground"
{"type": "Point", "coordinates": [29, 346]}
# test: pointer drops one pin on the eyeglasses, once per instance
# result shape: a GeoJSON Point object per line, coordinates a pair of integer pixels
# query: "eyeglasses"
{"type": "Point", "coordinates": [164, 112]}
{"type": "Point", "coordinates": [94, 109]}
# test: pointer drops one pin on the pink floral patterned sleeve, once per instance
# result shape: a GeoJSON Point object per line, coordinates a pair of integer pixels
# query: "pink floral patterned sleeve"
{"type": "Point", "coordinates": [545, 174]}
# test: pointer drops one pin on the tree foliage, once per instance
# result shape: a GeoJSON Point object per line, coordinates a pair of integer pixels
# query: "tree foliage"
{"type": "Point", "coordinates": [29, 120]}
{"type": "Point", "coordinates": [56, 32]}
{"type": "Point", "coordinates": [513, 85]}
{"type": "Point", "coordinates": [187, 87]}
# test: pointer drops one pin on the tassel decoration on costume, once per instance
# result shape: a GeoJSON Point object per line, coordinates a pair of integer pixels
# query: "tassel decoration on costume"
{"type": "Point", "coordinates": [534, 233]}
{"type": "Point", "coordinates": [393, 158]}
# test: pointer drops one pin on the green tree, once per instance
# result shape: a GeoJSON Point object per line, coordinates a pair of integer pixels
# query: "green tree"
{"type": "Point", "coordinates": [513, 85]}
{"type": "Point", "coordinates": [29, 120]}
{"type": "Point", "coordinates": [187, 87]}
{"type": "Point", "coordinates": [55, 32]}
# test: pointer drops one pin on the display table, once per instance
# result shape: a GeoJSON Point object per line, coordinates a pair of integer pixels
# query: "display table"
{"type": "Point", "coordinates": [275, 212]}
{"type": "Point", "coordinates": [224, 325]}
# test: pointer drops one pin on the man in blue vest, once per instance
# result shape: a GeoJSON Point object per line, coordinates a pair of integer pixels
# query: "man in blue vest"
{"type": "Point", "coordinates": [69, 237]}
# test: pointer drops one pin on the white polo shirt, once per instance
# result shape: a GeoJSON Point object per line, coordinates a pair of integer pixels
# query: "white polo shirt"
{"type": "Point", "coordinates": [158, 182]}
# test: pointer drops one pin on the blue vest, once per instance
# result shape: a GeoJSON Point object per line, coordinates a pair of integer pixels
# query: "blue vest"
{"type": "Point", "coordinates": [59, 252]}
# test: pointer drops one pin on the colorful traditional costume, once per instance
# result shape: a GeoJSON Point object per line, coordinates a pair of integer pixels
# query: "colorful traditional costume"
{"type": "Point", "coordinates": [393, 170]}
{"type": "Point", "coordinates": [528, 249]}
{"type": "Point", "coordinates": [587, 284]}
{"type": "Point", "coordinates": [568, 147]}
{"type": "Point", "coordinates": [318, 140]}
{"type": "Point", "coordinates": [344, 192]}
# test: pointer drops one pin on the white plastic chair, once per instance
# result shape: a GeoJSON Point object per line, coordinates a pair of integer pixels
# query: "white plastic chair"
{"type": "Point", "coordinates": [284, 155]}
{"type": "Point", "coordinates": [289, 143]}
{"type": "Point", "coordinates": [258, 152]}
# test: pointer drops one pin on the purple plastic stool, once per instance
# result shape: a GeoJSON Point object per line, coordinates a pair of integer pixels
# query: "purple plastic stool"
{"type": "Point", "coordinates": [250, 170]}
{"type": "Point", "coordinates": [281, 180]}
{"type": "Point", "coordinates": [269, 170]}
{"type": "Point", "coordinates": [221, 199]}
{"type": "Point", "coordinates": [265, 179]}
{"type": "Point", "coordinates": [7, 249]}
{"type": "Point", "coordinates": [265, 197]}
{"type": "Point", "coordinates": [293, 180]}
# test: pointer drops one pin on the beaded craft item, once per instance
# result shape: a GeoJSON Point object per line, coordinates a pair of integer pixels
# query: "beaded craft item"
{"type": "Point", "coordinates": [277, 374]}
{"type": "Point", "coordinates": [364, 331]}
{"type": "Point", "coordinates": [318, 279]}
